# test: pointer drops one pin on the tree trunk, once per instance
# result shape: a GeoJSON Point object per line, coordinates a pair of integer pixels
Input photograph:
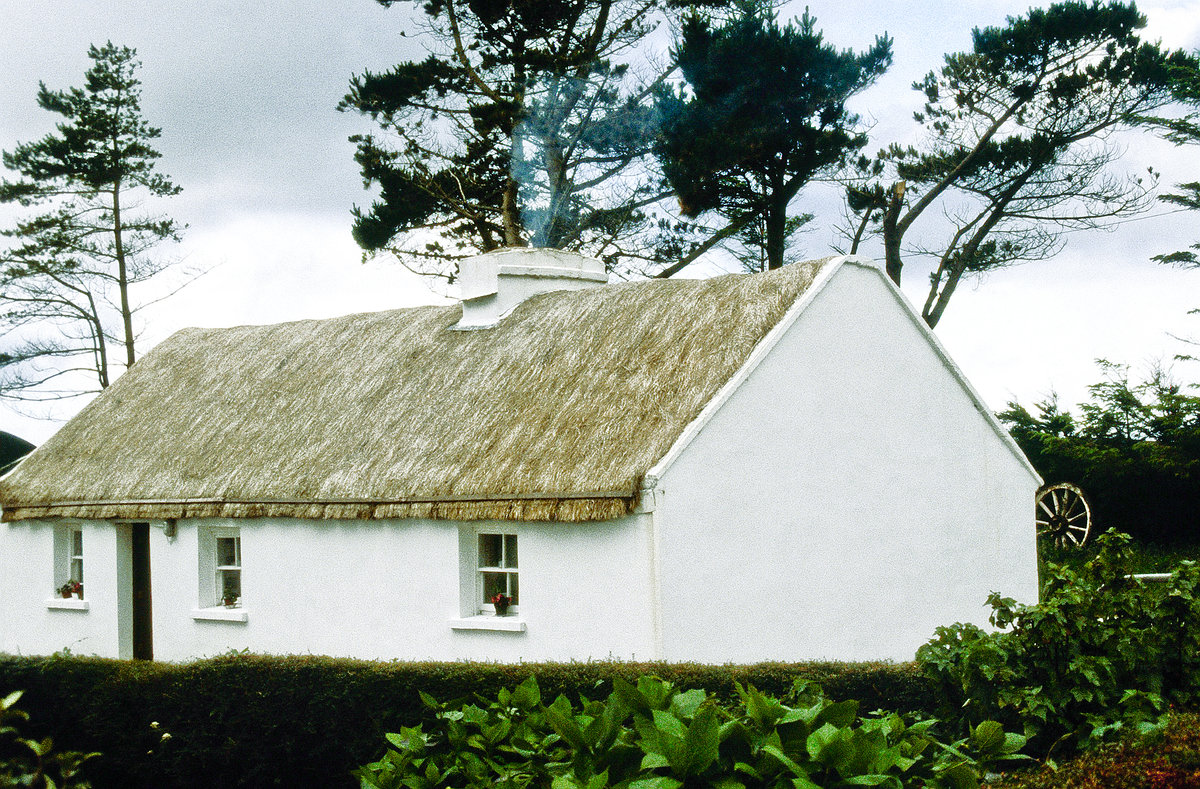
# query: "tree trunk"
{"type": "Point", "coordinates": [776, 221]}
{"type": "Point", "coordinates": [892, 234]}
{"type": "Point", "coordinates": [862, 229]}
{"type": "Point", "coordinates": [97, 329]}
{"type": "Point", "coordinates": [510, 215]}
{"type": "Point", "coordinates": [934, 314]}
{"type": "Point", "coordinates": [122, 276]}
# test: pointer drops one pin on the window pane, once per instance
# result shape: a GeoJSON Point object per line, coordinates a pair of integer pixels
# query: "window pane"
{"type": "Point", "coordinates": [77, 543]}
{"type": "Point", "coordinates": [510, 550]}
{"type": "Point", "coordinates": [77, 570]}
{"type": "Point", "coordinates": [512, 588]}
{"type": "Point", "coordinates": [490, 546]}
{"type": "Point", "coordinates": [231, 584]}
{"type": "Point", "coordinates": [493, 584]}
{"type": "Point", "coordinates": [227, 553]}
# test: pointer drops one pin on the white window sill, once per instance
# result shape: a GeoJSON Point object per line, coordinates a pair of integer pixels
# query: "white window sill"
{"type": "Point", "coordinates": [67, 604]}
{"type": "Point", "coordinates": [507, 624]}
{"type": "Point", "coordinates": [220, 614]}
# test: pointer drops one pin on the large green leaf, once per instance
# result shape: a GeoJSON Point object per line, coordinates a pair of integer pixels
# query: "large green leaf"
{"type": "Point", "coordinates": [988, 737]}
{"type": "Point", "coordinates": [527, 695]}
{"type": "Point", "coordinates": [702, 740]}
{"type": "Point", "coordinates": [657, 782]}
{"type": "Point", "coordinates": [685, 704]}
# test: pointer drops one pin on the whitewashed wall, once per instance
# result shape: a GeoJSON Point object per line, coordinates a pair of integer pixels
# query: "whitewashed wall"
{"type": "Point", "coordinates": [32, 619]}
{"type": "Point", "coordinates": [846, 500]}
{"type": "Point", "coordinates": [353, 588]}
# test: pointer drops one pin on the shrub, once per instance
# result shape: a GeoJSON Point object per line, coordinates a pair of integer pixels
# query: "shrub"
{"type": "Point", "coordinates": [1100, 653]}
{"type": "Point", "coordinates": [300, 721]}
{"type": "Point", "coordinates": [653, 736]}
{"type": "Point", "coordinates": [1169, 761]}
{"type": "Point", "coordinates": [34, 763]}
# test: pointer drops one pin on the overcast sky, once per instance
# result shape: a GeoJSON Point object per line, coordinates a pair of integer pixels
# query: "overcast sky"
{"type": "Point", "coordinates": [246, 92]}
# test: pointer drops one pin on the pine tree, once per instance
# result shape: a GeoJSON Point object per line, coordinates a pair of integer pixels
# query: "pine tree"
{"type": "Point", "coordinates": [65, 279]}
{"type": "Point", "coordinates": [1015, 149]}
{"type": "Point", "coordinates": [527, 125]}
{"type": "Point", "coordinates": [751, 131]}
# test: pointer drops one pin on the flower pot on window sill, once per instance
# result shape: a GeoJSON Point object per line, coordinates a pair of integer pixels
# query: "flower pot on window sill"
{"type": "Point", "coordinates": [501, 609]}
{"type": "Point", "coordinates": [66, 594]}
{"type": "Point", "coordinates": [79, 593]}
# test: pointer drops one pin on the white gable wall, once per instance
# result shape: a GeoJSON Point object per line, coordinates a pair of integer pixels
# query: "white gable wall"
{"type": "Point", "coordinates": [845, 500]}
{"type": "Point", "coordinates": [367, 589]}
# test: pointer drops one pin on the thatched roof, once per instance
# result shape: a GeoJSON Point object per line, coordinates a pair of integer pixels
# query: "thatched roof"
{"type": "Point", "coordinates": [555, 414]}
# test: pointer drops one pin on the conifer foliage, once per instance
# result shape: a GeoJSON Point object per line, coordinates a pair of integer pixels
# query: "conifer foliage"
{"type": "Point", "coordinates": [65, 279]}
{"type": "Point", "coordinates": [527, 125]}
{"type": "Point", "coordinates": [1017, 142]}
{"type": "Point", "coordinates": [751, 130]}
{"type": "Point", "coordinates": [1184, 131]}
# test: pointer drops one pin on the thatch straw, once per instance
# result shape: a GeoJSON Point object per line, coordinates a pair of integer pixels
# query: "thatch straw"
{"type": "Point", "coordinates": [556, 414]}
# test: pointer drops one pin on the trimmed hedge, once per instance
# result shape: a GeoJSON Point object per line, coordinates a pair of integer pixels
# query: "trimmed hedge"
{"type": "Point", "coordinates": [247, 720]}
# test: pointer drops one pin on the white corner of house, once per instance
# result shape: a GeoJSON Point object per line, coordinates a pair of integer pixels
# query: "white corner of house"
{"type": "Point", "coordinates": [864, 262]}
{"type": "Point", "coordinates": [764, 347]}
{"type": "Point", "coordinates": [951, 366]}
{"type": "Point", "coordinates": [648, 496]}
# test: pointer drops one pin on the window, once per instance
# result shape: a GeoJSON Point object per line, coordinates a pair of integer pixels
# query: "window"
{"type": "Point", "coordinates": [76, 555]}
{"type": "Point", "coordinates": [229, 569]}
{"type": "Point", "coordinates": [220, 567]}
{"type": "Point", "coordinates": [497, 570]}
{"type": "Point", "coordinates": [487, 563]}
{"type": "Point", "coordinates": [68, 555]}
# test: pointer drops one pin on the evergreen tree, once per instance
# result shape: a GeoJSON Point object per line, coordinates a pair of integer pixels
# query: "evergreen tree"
{"type": "Point", "coordinates": [1016, 131]}
{"type": "Point", "coordinates": [1184, 131]}
{"type": "Point", "coordinates": [524, 127]}
{"type": "Point", "coordinates": [752, 129]}
{"type": "Point", "coordinates": [65, 279]}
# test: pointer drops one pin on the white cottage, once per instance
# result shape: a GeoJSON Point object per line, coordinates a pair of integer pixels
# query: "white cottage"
{"type": "Point", "coordinates": [776, 466]}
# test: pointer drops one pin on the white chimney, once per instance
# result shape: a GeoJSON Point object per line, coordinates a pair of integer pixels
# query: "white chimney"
{"type": "Point", "coordinates": [495, 283]}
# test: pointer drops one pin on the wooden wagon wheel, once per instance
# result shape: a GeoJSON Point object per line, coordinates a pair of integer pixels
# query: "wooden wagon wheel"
{"type": "Point", "coordinates": [1063, 515]}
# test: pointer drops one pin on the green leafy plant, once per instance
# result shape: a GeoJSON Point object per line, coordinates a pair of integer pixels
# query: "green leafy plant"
{"type": "Point", "coordinates": [33, 763]}
{"type": "Point", "coordinates": [649, 735]}
{"type": "Point", "coordinates": [1100, 654]}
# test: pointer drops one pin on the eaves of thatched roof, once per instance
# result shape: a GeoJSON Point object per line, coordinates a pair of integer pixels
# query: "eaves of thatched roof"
{"type": "Point", "coordinates": [555, 414]}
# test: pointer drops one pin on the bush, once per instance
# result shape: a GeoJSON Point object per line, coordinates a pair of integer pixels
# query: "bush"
{"type": "Point", "coordinates": [1135, 451]}
{"type": "Point", "coordinates": [652, 736]}
{"type": "Point", "coordinates": [1169, 761]}
{"type": "Point", "coordinates": [34, 763]}
{"type": "Point", "coordinates": [245, 720]}
{"type": "Point", "coordinates": [1099, 654]}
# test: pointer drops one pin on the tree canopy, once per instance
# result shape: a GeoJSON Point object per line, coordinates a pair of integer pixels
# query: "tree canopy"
{"type": "Point", "coordinates": [1184, 131]}
{"type": "Point", "coordinates": [527, 125]}
{"type": "Point", "coordinates": [750, 132]}
{"type": "Point", "coordinates": [1134, 449]}
{"type": "Point", "coordinates": [65, 278]}
{"type": "Point", "coordinates": [1016, 145]}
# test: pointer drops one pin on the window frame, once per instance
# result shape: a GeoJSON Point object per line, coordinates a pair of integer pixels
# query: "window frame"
{"type": "Point", "coordinates": [67, 563]}
{"type": "Point", "coordinates": [75, 553]}
{"type": "Point", "coordinates": [481, 605]}
{"type": "Point", "coordinates": [212, 574]}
